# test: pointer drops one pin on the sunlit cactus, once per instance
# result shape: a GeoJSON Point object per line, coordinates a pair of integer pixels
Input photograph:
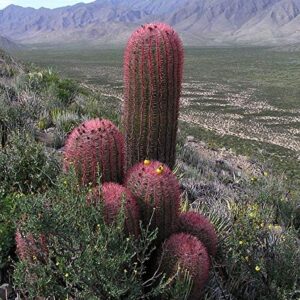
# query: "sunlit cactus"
{"type": "Point", "coordinates": [153, 64]}
{"type": "Point", "coordinates": [157, 192]}
{"type": "Point", "coordinates": [185, 252]}
{"type": "Point", "coordinates": [94, 149]}
{"type": "Point", "coordinates": [115, 197]}
{"type": "Point", "coordinates": [200, 227]}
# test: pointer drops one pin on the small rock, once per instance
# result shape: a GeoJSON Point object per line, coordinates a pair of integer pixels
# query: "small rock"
{"type": "Point", "coordinates": [190, 139]}
{"type": "Point", "coordinates": [51, 130]}
{"type": "Point", "coordinates": [201, 143]}
{"type": "Point", "coordinates": [5, 291]}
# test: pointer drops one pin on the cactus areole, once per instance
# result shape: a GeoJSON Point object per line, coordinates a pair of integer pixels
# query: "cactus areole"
{"type": "Point", "coordinates": [153, 64]}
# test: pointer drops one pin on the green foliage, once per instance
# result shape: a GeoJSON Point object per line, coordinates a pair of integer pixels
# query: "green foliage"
{"type": "Point", "coordinates": [86, 259]}
{"type": "Point", "coordinates": [64, 90]}
{"type": "Point", "coordinates": [25, 166]}
{"type": "Point", "coordinates": [8, 218]}
{"type": "Point", "coordinates": [65, 121]}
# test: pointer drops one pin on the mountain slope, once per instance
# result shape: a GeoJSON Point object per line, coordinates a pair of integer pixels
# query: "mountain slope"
{"type": "Point", "coordinates": [7, 44]}
{"type": "Point", "coordinates": [198, 21]}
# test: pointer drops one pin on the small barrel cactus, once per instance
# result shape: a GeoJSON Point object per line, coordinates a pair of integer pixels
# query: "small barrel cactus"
{"type": "Point", "coordinates": [95, 148]}
{"type": "Point", "coordinates": [31, 249]}
{"type": "Point", "coordinates": [157, 192]}
{"type": "Point", "coordinates": [200, 227]}
{"type": "Point", "coordinates": [153, 65]}
{"type": "Point", "coordinates": [185, 252]}
{"type": "Point", "coordinates": [114, 196]}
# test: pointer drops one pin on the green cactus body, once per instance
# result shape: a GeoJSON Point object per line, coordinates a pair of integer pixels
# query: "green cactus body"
{"type": "Point", "coordinates": [153, 64]}
{"type": "Point", "coordinates": [157, 192]}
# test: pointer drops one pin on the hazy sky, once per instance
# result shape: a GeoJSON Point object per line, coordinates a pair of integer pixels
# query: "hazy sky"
{"type": "Point", "coordinates": [40, 3]}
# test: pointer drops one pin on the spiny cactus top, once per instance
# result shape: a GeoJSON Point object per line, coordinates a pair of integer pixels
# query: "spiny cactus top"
{"type": "Point", "coordinates": [114, 196]}
{"type": "Point", "coordinates": [186, 252]}
{"type": "Point", "coordinates": [95, 148]}
{"type": "Point", "coordinates": [157, 191]}
{"type": "Point", "coordinates": [153, 64]}
{"type": "Point", "coordinates": [200, 227]}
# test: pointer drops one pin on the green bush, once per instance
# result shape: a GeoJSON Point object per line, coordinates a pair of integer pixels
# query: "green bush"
{"type": "Point", "coordinates": [25, 166]}
{"type": "Point", "coordinates": [8, 218]}
{"type": "Point", "coordinates": [42, 81]}
{"type": "Point", "coordinates": [86, 259]}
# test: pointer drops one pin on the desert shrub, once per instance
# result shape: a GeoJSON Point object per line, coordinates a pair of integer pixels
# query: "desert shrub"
{"type": "Point", "coordinates": [255, 218]}
{"type": "Point", "coordinates": [65, 121]}
{"type": "Point", "coordinates": [25, 165]}
{"type": "Point", "coordinates": [47, 81]}
{"type": "Point", "coordinates": [99, 106]}
{"type": "Point", "coordinates": [85, 258]}
{"type": "Point", "coordinates": [8, 217]}
{"type": "Point", "coordinates": [21, 113]}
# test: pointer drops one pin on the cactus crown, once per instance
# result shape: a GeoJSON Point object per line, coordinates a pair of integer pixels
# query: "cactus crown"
{"type": "Point", "coordinates": [95, 148]}
{"type": "Point", "coordinates": [153, 64]}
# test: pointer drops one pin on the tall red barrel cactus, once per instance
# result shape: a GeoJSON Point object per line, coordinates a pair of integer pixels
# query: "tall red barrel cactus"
{"type": "Point", "coordinates": [186, 252]}
{"type": "Point", "coordinates": [95, 148]}
{"type": "Point", "coordinates": [113, 196]}
{"type": "Point", "coordinates": [153, 64]}
{"type": "Point", "coordinates": [157, 192]}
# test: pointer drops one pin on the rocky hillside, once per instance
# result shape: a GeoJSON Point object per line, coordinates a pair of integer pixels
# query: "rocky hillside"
{"type": "Point", "coordinates": [206, 22]}
{"type": "Point", "coordinates": [7, 44]}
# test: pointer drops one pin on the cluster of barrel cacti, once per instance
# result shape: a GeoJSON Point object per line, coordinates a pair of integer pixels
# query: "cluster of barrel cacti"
{"type": "Point", "coordinates": [134, 171]}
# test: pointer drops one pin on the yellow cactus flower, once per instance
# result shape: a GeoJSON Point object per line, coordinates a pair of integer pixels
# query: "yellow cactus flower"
{"type": "Point", "coordinates": [257, 268]}
{"type": "Point", "coordinates": [147, 162]}
{"type": "Point", "coordinates": [241, 242]}
{"type": "Point", "coordinates": [160, 170]}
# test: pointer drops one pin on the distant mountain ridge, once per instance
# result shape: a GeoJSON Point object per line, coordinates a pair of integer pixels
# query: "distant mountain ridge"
{"type": "Point", "coordinates": [199, 22]}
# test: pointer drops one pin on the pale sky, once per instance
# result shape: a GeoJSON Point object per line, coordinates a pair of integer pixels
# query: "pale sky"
{"type": "Point", "coordinates": [41, 3]}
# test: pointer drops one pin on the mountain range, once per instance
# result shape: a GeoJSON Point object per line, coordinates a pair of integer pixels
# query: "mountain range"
{"type": "Point", "coordinates": [199, 22]}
